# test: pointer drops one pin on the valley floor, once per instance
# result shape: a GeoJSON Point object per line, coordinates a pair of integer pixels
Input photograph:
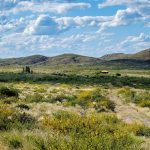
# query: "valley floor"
{"type": "Point", "coordinates": [44, 115]}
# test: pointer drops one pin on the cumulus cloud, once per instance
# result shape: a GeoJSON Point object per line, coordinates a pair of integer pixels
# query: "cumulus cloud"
{"type": "Point", "coordinates": [45, 25]}
{"type": "Point", "coordinates": [123, 17]}
{"type": "Point", "coordinates": [137, 10]}
{"type": "Point", "coordinates": [16, 6]}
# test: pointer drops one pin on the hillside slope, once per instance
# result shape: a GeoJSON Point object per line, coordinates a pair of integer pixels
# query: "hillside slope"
{"type": "Point", "coordinates": [30, 60]}
{"type": "Point", "coordinates": [138, 60]}
{"type": "Point", "coordinates": [71, 59]}
{"type": "Point", "coordinates": [56, 60]}
{"type": "Point", "coordinates": [143, 55]}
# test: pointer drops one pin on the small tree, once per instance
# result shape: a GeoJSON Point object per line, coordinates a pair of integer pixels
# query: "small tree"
{"type": "Point", "coordinates": [27, 70]}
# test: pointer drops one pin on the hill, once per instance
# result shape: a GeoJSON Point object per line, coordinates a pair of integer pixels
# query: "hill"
{"type": "Point", "coordinates": [143, 55]}
{"type": "Point", "coordinates": [119, 60]}
{"type": "Point", "coordinates": [30, 60]}
{"type": "Point", "coordinates": [71, 59]}
{"type": "Point", "coordinates": [43, 60]}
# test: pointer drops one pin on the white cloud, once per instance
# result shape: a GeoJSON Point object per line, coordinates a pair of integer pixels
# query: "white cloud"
{"type": "Point", "coordinates": [137, 40]}
{"type": "Point", "coordinates": [10, 25]}
{"type": "Point", "coordinates": [83, 21]}
{"type": "Point", "coordinates": [109, 3]}
{"type": "Point", "coordinates": [131, 44]}
{"type": "Point", "coordinates": [137, 10]}
{"type": "Point", "coordinates": [124, 17]}
{"type": "Point", "coordinates": [45, 25]}
{"type": "Point", "coordinates": [15, 6]}
{"type": "Point", "coordinates": [18, 44]}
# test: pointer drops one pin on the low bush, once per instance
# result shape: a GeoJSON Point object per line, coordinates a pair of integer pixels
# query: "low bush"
{"type": "Point", "coordinates": [139, 130]}
{"type": "Point", "coordinates": [9, 100]}
{"type": "Point", "coordinates": [11, 119]}
{"type": "Point", "coordinates": [13, 140]}
{"type": "Point", "coordinates": [127, 93]}
{"type": "Point", "coordinates": [94, 131]}
{"type": "Point", "coordinates": [118, 74]}
{"type": "Point", "coordinates": [36, 98]}
{"type": "Point", "coordinates": [145, 103]}
{"type": "Point", "coordinates": [140, 98]}
{"type": "Point", "coordinates": [23, 106]}
{"type": "Point", "coordinates": [8, 92]}
{"type": "Point", "coordinates": [15, 143]}
{"type": "Point", "coordinates": [23, 121]}
{"type": "Point", "coordinates": [96, 99]}
{"type": "Point", "coordinates": [143, 131]}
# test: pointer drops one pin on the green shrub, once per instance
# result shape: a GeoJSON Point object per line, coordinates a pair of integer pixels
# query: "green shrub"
{"type": "Point", "coordinates": [11, 119]}
{"type": "Point", "coordinates": [15, 143]}
{"type": "Point", "coordinates": [145, 103]}
{"type": "Point", "coordinates": [23, 106]}
{"type": "Point", "coordinates": [143, 99]}
{"type": "Point", "coordinates": [118, 74]}
{"type": "Point", "coordinates": [140, 98]}
{"type": "Point", "coordinates": [9, 100]}
{"type": "Point", "coordinates": [34, 98]}
{"type": "Point", "coordinates": [97, 99]}
{"type": "Point", "coordinates": [12, 140]}
{"type": "Point", "coordinates": [143, 131]}
{"type": "Point", "coordinates": [94, 131]}
{"type": "Point", "coordinates": [8, 92]}
{"type": "Point", "coordinates": [128, 94]}
{"type": "Point", "coordinates": [104, 106]}
{"type": "Point", "coordinates": [23, 121]}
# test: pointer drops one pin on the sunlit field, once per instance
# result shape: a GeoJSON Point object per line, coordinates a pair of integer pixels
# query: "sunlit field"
{"type": "Point", "coordinates": [62, 109]}
{"type": "Point", "coordinates": [74, 74]}
{"type": "Point", "coordinates": [81, 70]}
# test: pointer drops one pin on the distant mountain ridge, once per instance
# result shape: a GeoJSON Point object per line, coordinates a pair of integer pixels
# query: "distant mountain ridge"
{"type": "Point", "coordinates": [142, 57]}
{"type": "Point", "coordinates": [43, 60]}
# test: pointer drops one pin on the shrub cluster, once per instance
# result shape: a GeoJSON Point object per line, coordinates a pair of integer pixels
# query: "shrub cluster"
{"type": "Point", "coordinates": [140, 98]}
{"type": "Point", "coordinates": [11, 119]}
{"type": "Point", "coordinates": [94, 131]}
{"type": "Point", "coordinates": [117, 81]}
{"type": "Point", "coordinates": [8, 92]}
{"type": "Point", "coordinates": [96, 99]}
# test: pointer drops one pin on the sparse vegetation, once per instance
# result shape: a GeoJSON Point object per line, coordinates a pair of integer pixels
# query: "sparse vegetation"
{"type": "Point", "coordinates": [73, 111]}
{"type": "Point", "coordinates": [141, 98]}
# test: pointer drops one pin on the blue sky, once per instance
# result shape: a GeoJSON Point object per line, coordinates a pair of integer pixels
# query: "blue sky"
{"type": "Point", "coordinates": [86, 27]}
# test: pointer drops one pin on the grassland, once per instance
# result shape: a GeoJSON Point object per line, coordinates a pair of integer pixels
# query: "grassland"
{"type": "Point", "coordinates": [74, 108]}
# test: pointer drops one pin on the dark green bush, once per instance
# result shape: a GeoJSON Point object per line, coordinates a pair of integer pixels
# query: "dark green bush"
{"type": "Point", "coordinates": [118, 74]}
{"type": "Point", "coordinates": [23, 106]}
{"type": "Point", "coordinates": [78, 79]}
{"type": "Point", "coordinates": [15, 144]}
{"type": "Point", "coordinates": [8, 92]}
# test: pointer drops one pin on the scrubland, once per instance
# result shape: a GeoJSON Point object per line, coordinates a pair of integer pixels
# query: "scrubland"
{"type": "Point", "coordinates": [74, 110]}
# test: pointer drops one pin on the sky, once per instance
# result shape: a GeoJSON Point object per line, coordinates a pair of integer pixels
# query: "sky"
{"type": "Point", "coordinates": [86, 27]}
